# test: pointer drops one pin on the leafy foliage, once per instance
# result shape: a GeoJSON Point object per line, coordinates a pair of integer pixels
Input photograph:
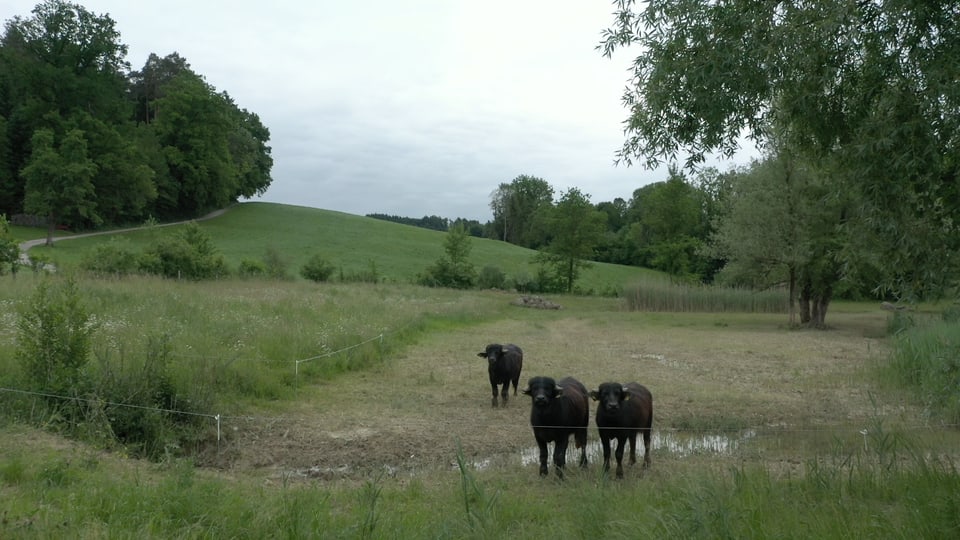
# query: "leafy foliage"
{"type": "Point", "coordinates": [9, 249]}
{"type": "Point", "coordinates": [317, 269]}
{"type": "Point", "coordinates": [866, 89]}
{"type": "Point", "coordinates": [59, 179]}
{"type": "Point", "coordinates": [84, 141]}
{"type": "Point", "coordinates": [190, 254]}
{"type": "Point", "coordinates": [576, 228]}
{"type": "Point", "coordinates": [491, 277]}
{"type": "Point", "coordinates": [454, 270]}
{"type": "Point", "coordinates": [115, 257]}
{"type": "Point", "coordinates": [53, 338]}
{"type": "Point", "coordinates": [275, 264]}
{"type": "Point", "coordinates": [251, 268]}
{"type": "Point", "coordinates": [517, 207]}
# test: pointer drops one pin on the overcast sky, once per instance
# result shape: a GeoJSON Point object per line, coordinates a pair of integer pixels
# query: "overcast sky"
{"type": "Point", "coordinates": [406, 107]}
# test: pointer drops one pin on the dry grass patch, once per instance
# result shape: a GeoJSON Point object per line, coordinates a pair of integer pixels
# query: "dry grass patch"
{"type": "Point", "coordinates": [708, 374]}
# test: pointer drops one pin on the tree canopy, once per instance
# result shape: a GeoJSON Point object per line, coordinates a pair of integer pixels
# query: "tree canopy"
{"type": "Point", "coordinates": [160, 142]}
{"type": "Point", "coordinates": [576, 228]}
{"type": "Point", "coordinates": [866, 88]}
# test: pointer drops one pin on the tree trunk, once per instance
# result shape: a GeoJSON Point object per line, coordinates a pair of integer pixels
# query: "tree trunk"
{"type": "Point", "coordinates": [792, 294]}
{"type": "Point", "coordinates": [805, 303]}
{"type": "Point", "coordinates": [822, 301]}
{"type": "Point", "coordinates": [51, 226]}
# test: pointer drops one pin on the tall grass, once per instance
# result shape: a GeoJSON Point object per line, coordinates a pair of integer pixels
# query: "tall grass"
{"type": "Point", "coordinates": [884, 489]}
{"type": "Point", "coordinates": [210, 348]}
{"type": "Point", "coordinates": [663, 295]}
{"type": "Point", "coordinates": [926, 358]}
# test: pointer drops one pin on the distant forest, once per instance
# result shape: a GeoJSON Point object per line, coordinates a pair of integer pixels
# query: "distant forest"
{"type": "Point", "coordinates": [85, 141]}
{"type": "Point", "coordinates": [436, 223]}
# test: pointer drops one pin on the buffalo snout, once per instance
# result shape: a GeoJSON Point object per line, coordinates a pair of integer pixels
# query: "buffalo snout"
{"type": "Point", "coordinates": [612, 405]}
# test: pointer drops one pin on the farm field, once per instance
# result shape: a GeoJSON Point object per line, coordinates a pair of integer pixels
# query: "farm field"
{"type": "Point", "coordinates": [763, 393]}
{"type": "Point", "coordinates": [353, 244]}
{"type": "Point", "coordinates": [759, 430]}
{"type": "Point", "coordinates": [359, 410]}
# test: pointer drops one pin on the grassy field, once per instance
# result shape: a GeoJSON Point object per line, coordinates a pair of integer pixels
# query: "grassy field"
{"type": "Point", "coordinates": [352, 243]}
{"type": "Point", "coordinates": [760, 430]}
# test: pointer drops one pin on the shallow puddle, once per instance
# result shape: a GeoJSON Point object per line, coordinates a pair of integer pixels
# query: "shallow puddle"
{"type": "Point", "coordinates": [677, 443]}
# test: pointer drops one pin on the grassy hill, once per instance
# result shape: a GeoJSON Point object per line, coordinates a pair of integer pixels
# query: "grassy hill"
{"type": "Point", "coordinates": [353, 244]}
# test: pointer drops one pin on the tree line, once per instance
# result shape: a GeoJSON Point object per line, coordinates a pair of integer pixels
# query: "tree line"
{"type": "Point", "coordinates": [86, 141]}
{"type": "Point", "coordinates": [857, 106]}
{"type": "Point", "coordinates": [857, 109]}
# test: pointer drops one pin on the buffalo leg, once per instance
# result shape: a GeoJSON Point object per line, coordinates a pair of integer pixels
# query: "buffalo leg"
{"type": "Point", "coordinates": [560, 455]}
{"type": "Point", "coordinates": [504, 393]}
{"type": "Point", "coordinates": [646, 448]}
{"type": "Point", "coordinates": [605, 444]}
{"type": "Point", "coordinates": [494, 402]}
{"type": "Point", "coordinates": [580, 436]}
{"type": "Point", "coordinates": [633, 447]}
{"type": "Point", "coordinates": [621, 443]}
{"type": "Point", "coordinates": [542, 444]}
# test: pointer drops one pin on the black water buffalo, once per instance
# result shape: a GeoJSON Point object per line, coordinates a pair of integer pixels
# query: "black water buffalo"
{"type": "Point", "coordinates": [559, 409]}
{"type": "Point", "coordinates": [505, 363]}
{"type": "Point", "coordinates": [623, 411]}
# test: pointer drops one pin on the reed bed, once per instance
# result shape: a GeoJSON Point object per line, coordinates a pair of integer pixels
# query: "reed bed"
{"type": "Point", "coordinates": [662, 295]}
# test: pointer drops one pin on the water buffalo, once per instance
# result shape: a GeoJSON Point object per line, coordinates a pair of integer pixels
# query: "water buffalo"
{"type": "Point", "coordinates": [623, 411]}
{"type": "Point", "coordinates": [505, 363]}
{"type": "Point", "coordinates": [559, 409]}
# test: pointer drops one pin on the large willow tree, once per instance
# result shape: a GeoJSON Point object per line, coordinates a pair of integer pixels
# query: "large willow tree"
{"type": "Point", "coordinates": [868, 89]}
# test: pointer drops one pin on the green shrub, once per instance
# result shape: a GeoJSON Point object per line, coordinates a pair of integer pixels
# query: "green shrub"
{"type": "Point", "coordinates": [9, 249]}
{"type": "Point", "coordinates": [491, 277]}
{"type": "Point", "coordinates": [372, 275]}
{"type": "Point", "coordinates": [523, 282]}
{"type": "Point", "coordinates": [53, 338]}
{"type": "Point", "coordinates": [275, 264]}
{"type": "Point", "coordinates": [251, 268]}
{"type": "Point", "coordinates": [317, 269]}
{"type": "Point", "coordinates": [453, 270]}
{"type": "Point", "coordinates": [136, 397]}
{"type": "Point", "coordinates": [189, 255]}
{"type": "Point", "coordinates": [112, 257]}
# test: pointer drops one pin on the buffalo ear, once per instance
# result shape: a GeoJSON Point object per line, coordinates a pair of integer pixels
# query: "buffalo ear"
{"type": "Point", "coordinates": [526, 391]}
{"type": "Point", "coordinates": [482, 354]}
{"type": "Point", "coordinates": [595, 395]}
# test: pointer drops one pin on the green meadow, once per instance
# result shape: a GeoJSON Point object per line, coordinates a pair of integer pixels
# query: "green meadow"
{"type": "Point", "coordinates": [258, 408]}
{"type": "Point", "coordinates": [353, 244]}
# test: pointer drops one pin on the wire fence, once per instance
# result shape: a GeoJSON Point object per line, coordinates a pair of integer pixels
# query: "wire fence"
{"type": "Point", "coordinates": [496, 421]}
{"type": "Point", "coordinates": [473, 422]}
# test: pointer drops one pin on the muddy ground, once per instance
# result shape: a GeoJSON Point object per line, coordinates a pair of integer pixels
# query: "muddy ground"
{"type": "Point", "coordinates": [741, 385]}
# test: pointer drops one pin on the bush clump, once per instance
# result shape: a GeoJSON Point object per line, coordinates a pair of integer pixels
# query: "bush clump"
{"type": "Point", "coordinates": [317, 269]}
{"type": "Point", "coordinates": [189, 254]}
{"type": "Point", "coordinates": [454, 270]}
{"type": "Point", "coordinates": [53, 338]}
{"type": "Point", "coordinates": [491, 277]}
{"type": "Point", "coordinates": [114, 257]}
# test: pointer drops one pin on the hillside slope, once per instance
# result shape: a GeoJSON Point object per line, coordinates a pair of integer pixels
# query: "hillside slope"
{"type": "Point", "coordinates": [353, 244]}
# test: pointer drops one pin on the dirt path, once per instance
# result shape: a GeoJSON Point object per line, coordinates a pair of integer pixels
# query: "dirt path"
{"type": "Point", "coordinates": [26, 245]}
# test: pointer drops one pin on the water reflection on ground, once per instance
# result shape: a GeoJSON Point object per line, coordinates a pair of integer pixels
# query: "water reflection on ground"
{"type": "Point", "coordinates": [679, 444]}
